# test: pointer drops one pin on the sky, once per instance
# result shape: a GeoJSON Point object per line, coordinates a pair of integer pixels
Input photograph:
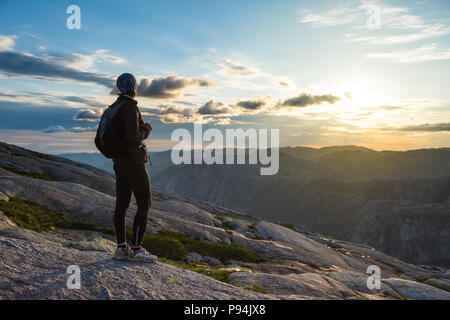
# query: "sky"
{"type": "Point", "coordinates": [367, 73]}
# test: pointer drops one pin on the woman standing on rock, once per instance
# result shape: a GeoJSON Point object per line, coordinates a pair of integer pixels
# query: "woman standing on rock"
{"type": "Point", "coordinates": [131, 174]}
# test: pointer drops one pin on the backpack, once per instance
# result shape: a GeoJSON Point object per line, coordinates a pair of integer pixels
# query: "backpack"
{"type": "Point", "coordinates": [108, 139]}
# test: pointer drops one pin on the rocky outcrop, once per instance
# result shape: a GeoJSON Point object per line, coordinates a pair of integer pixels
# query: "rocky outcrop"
{"type": "Point", "coordinates": [416, 290]}
{"type": "Point", "coordinates": [309, 284]}
{"type": "Point", "coordinates": [297, 263]}
{"type": "Point", "coordinates": [32, 270]}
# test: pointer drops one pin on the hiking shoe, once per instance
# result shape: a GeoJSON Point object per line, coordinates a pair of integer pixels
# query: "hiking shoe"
{"type": "Point", "coordinates": [141, 255]}
{"type": "Point", "coordinates": [121, 254]}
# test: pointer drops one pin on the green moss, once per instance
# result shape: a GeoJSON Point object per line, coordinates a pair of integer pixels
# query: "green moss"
{"type": "Point", "coordinates": [29, 174]}
{"type": "Point", "coordinates": [223, 252]}
{"type": "Point", "coordinates": [255, 288]}
{"type": "Point", "coordinates": [159, 197]}
{"type": "Point", "coordinates": [252, 227]}
{"type": "Point", "coordinates": [164, 246]}
{"type": "Point", "coordinates": [438, 284]}
{"type": "Point", "coordinates": [218, 274]}
{"type": "Point", "coordinates": [29, 215]}
{"type": "Point", "coordinates": [167, 244]}
{"type": "Point", "coordinates": [424, 279]}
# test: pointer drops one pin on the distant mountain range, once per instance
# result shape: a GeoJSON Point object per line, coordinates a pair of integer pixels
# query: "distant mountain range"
{"type": "Point", "coordinates": [396, 201]}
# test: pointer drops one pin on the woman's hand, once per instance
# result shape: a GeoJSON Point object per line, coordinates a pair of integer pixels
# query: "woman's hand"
{"type": "Point", "coordinates": [148, 126]}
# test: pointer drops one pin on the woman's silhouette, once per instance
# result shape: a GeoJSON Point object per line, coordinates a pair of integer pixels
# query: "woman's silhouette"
{"type": "Point", "coordinates": [131, 174]}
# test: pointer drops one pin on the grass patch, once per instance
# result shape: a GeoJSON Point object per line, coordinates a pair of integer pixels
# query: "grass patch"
{"type": "Point", "coordinates": [223, 252]}
{"type": "Point", "coordinates": [159, 197]}
{"type": "Point", "coordinates": [220, 275]}
{"type": "Point", "coordinates": [255, 288]}
{"type": "Point", "coordinates": [166, 244]}
{"type": "Point", "coordinates": [29, 215]}
{"type": "Point", "coordinates": [424, 279]}
{"type": "Point", "coordinates": [29, 174]}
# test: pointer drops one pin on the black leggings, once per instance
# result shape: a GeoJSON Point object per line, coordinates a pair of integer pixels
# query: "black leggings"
{"type": "Point", "coordinates": [131, 178]}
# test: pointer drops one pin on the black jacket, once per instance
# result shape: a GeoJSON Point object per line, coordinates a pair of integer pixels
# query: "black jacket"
{"type": "Point", "coordinates": [131, 128]}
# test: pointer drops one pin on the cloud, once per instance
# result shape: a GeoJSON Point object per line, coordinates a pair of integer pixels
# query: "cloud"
{"type": "Point", "coordinates": [210, 112]}
{"type": "Point", "coordinates": [165, 110]}
{"type": "Point", "coordinates": [53, 99]}
{"type": "Point", "coordinates": [424, 53]}
{"type": "Point", "coordinates": [83, 129]}
{"type": "Point", "coordinates": [55, 128]}
{"type": "Point", "coordinates": [102, 54]}
{"type": "Point", "coordinates": [88, 115]}
{"type": "Point", "coordinates": [24, 64]}
{"type": "Point", "coordinates": [236, 74]}
{"type": "Point", "coordinates": [169, 87]}
{"type": "Point", "coordinates": [222, 121]}
{"type": "Point", "coordinates": [81, 61]}
{"type": "Point", "coordinates": [213, 108]}
{"type": "Point", "coordinates": [176, 114]}
{"type": "Point", "coordinates": [174, 118]}
{"type": "Point", "coordinates": [88, 101]}
{"type": "Point", "coordinates": [425, 33]}
{"type": "Point", "coordinates": [232, 68]}
{"type": "Point", "coordinates": [306, 99]}
{"type": "Point", "coordinates": [254, 104]}
{"type": "Point", "coordinates": [72, 60]}
{"type": "Point", "coordinates": [59, 128]}
{"type": "Point", "coordinates": [333, 17]}
{"type": "Point", "coordinates": [7, 43]}
{"type": "Point", "coordinates": [435, 127]}
{"type": "Point", "coordinates": [188, 103]}
{"type": "Point", "coordinates": [398, 25]}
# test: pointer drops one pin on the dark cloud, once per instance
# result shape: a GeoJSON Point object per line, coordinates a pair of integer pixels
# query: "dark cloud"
{"type": "Point", "coordinates": [8, 95]}
{"type": "Point", "coordinates": [16, 63]}
{"type": "Point", "coordinates": [88, 115]}
{"type": "Point", "coordinates": [26, 116]}
{"type": "Point", "coordinates": [212, 107]}
{"type": "Point", "coordinates": [435, 127]}
{"type": "Point", "coordinates": [306, 99]}
{"type": "Point", "coordinates": [253, 104]}
{"type": "Point", "coordinates": [169, 87]}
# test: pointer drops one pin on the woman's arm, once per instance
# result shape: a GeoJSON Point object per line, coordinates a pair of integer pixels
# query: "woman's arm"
{"type": "Point", "coordinates": [135, 129]}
